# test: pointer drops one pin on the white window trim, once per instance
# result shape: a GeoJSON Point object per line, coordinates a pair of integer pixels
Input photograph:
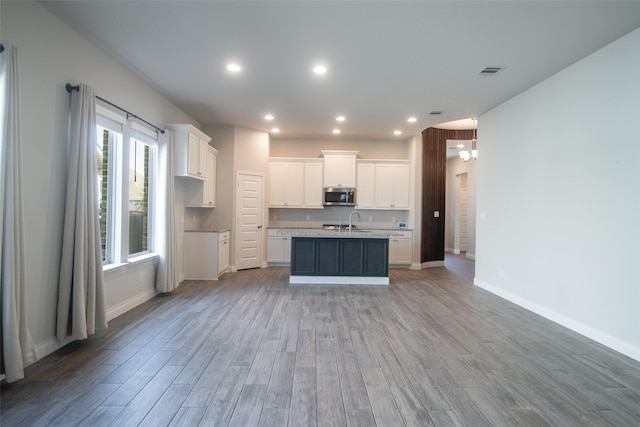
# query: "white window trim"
{"type": "Point", "coordinates": [116, 121]}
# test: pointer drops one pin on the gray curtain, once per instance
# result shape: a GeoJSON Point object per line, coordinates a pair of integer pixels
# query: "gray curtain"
{"type": "Point", "coordinates": [167, 277]}
{"type": "Point", "coordinates": [81, 300]}
{"type": "Point", "coordinates": [16, 344]}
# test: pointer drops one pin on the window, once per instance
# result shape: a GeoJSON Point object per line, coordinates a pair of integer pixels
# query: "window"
{"type": "Point", "coordinates": [109, 142]}
{"type": "Point", "coordinates": [141, 184]}
{"type": "Point", "coordinates": [126, 174]}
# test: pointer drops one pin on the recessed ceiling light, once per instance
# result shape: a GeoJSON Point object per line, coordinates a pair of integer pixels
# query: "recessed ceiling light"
{"type": "Point", "coordinates": [336, 131]}
{"type": "Point", "coordinates": [412, 119]}
{"type": "Point", "coordinates": [275, 130]}
{"type": "Point", "coordinates": [340, 118]}
{"type": "Point", "coordinates": [234, 68]}
{"type": "Point", "coordinates": [268, 117]}
{"type": "Point", "coordinates": [320, 69]}
{"type": "Point", "coordinates": [460, 145]}
{"type": "Point", "coordinates": [397, 132]}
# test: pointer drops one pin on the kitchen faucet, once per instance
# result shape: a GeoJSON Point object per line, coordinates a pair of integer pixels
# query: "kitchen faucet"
{"type": "Point", "coordinates": [351, 218]}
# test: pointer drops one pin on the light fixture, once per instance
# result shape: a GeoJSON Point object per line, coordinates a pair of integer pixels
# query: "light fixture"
{"type": "Point", "coordinates": [412, 119]}
{"type": "Point", "coordinates": [268, 117]}
{"type": "Point", "coordinates": [340, 118]}
{"type": "Point", "coordinates": [473, 154]}
{"type": "Point", "coordinates": [397, 132]}
{"type": "Point", "coordinates": [336, 131]}
{"type": "Point", "coordinates": [275, 130]}
{"type": "Point", "coordinates": [320, 69]}
{"type": "Point", "coordinates": [234, 68]}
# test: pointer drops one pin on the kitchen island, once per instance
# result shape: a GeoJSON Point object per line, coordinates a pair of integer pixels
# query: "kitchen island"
{"type": "Point", "coordinates": [340, 258]}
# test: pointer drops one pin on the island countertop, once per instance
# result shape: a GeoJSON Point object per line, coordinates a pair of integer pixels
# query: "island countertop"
{"type": "Point", "coordinates": [359, 233]}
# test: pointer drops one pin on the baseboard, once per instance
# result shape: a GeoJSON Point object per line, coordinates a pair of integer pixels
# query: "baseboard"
{"type": "Point", "coordinates": [49, 346]}
{"type": "Point", "coordinates": [471, 256]}
{"type": "Point", "coordinates": [430, 264]}
{"type": "Point", "coordinates": [605, 339]}
{"type": "Point", "coordinates": [181, 277]}
{"type": "Point", "coordinates": [448, 250]}
{"type": "Point", "coordinates": [415, 266]}
{"type": "Point", "coordinates": [127, 305]}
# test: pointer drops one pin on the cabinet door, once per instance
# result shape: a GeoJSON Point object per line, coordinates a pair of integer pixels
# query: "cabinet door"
{"type": "Point", "coordinates": [209, 190]}
{"type": "Point", "coordinates": [193, 159]}
{"type": "Point", "coordinates": [365, 185]}
{"type": "Point", "coordinates": [376, 255]}
{"type": "Point", "coordinates": [202, 159]}
{"type": "Point", "coordinates": [286, 186]}
{"type": "Point", "coordinates": [340, 171]}
{"type": "Point", "coordinates": [295, 185]}
{"type": "Point", "coordinates": [385, 194]}
{"type": "Point", "coordinates": [223, 256]}
{"type": "Point", "coordinates": [303, 256]}
{"type": "Point", "coordinates": [401, 186]}
{"type": "Point", "coordinates": [277, 184]}
{"type": "Point", "coordinates": [313, 185]}
{"type": "Point", "coordinates": [279, 249]}
{"type": "Point", "coordinates": [201, 256]}
{"type": "Point", "coordinates": [400, 251]}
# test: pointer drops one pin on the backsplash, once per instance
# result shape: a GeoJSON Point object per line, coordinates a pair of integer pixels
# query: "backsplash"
{"type": "Point", "coordinates": [314, 218]}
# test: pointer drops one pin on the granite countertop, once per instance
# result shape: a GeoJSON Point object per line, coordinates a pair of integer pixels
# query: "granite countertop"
{"type": "Point", "coordinates": [207, 230]}
{"type": "Point", "coordinates": [318, 232]}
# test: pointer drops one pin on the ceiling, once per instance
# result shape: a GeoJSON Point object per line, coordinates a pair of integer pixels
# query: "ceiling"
{"type": "Point", "coordinates": [386, 60]}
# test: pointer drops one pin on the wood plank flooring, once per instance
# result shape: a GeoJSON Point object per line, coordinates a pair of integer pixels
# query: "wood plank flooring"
{"type": "Point", "coordinates": [252, 350]}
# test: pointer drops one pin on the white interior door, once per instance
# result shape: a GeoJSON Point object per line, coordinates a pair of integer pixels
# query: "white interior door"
{"type": "Point", "coordinates": [249, 216]}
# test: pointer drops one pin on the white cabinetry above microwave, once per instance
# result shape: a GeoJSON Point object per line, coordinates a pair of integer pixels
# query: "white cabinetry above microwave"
{"type": "Point", "coordinates": [191, 148]}
{"type": "Point", "coordinates": [339, 168]}
{"type": "Point", "coordinates": [295, 183]}
{"type": "Point", "coordinates": [383, 184]}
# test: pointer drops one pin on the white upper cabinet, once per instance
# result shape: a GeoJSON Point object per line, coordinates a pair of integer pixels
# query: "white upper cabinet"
{"type": "Point", "coordinates": [191, 148]}
{"type": "Point", "coordinates": [295, 183]}
{"type": "Point", "coordinates": [366, 185]}
{"type": "Point", "coordinates": [383, 184]}
{"type": "Point", "coordinates": [339, 168]}
{"type": "Point", "coordinates": [392, 185]}
{"type": "Point", "coordinates": [209, 186]}
{"type": "Point", "coordinates": [286, 184]}
{"type": "Point", "coordinates": [202, 194]}
{"type": "Point", "coordinates": [313, 183]}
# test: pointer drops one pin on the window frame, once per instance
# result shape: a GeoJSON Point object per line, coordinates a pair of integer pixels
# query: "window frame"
{"type": "Point", "coordinates": [118, 177]}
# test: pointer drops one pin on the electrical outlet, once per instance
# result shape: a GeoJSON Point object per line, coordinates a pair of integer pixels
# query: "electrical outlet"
{"type": "Point", "coordinates": [394, 220]}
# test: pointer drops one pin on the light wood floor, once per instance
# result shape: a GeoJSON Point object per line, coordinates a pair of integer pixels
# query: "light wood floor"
{"type": "Point", "coordinates": [431, 349]}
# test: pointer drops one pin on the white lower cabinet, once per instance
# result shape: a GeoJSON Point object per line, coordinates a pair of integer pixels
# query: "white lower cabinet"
{"type": "Point", "coordinates": [278, 248]}
{"type": "Point", "coordinates": [401, 248]}
{"type": "Point", "coordinates": [205, 254]}
{"type": "Point", "coordinates": [223, 252]}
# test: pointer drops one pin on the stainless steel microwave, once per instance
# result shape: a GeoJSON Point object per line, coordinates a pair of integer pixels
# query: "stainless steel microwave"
{"type": "Point", "coordinates": [339, 196]}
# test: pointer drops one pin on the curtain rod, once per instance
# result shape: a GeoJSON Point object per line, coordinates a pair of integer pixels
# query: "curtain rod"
{"type": "Point", "coordinates": [71, 88]}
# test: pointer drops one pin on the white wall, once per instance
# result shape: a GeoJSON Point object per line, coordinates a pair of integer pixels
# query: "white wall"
{"type": "Point", "coordinates": [558, 181]}
{"type": "Point", "coordinates": [388, 149]}
{"type": "Point", "coordinates": [239, 149]}
{"type": "Point", "coordinates": [455, 167]}
{"type": "Point", "coordinates": [50, 55]}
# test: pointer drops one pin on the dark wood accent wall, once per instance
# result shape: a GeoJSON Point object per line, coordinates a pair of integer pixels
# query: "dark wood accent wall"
{"type": "Point", "coordinates": [434, 181]}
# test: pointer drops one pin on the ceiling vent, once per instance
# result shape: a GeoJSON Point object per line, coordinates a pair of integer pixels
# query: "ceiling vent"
{"type": "Point", "coordinates": [435, 113]}
{"type": "Point", "coordinates": [490, 71]}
